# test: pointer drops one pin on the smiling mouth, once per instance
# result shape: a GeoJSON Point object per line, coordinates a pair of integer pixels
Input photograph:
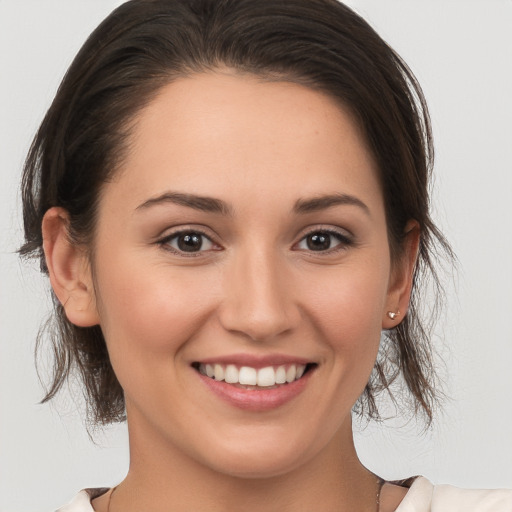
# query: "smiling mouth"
{"type": "Point", "coordinates": [248, 377]}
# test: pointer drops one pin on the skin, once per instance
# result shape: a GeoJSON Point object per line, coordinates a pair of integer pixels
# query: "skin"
{"type": "Point", "coordinates": [256, 287]}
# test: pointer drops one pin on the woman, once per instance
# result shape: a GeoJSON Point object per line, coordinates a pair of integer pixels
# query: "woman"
{"type": "Point", "coordinates": [230, 199]}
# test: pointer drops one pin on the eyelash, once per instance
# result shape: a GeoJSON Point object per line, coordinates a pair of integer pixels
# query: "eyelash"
{"type": "Point", "coordinates": [165, 242]}
{"type": "Point", "coordinates": [344, 242]}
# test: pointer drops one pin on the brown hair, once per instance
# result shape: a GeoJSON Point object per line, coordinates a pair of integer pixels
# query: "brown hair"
{"type": "Point", "coordinates": [145, 44]}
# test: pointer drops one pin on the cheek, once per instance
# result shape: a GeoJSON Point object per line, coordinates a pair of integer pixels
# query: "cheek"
{"type": "Point", "coordinates": [150, 310]}
{"type": "Point", "coordinates": [351, 300]}
{"type": "Point", "coordinates": [346, 307]}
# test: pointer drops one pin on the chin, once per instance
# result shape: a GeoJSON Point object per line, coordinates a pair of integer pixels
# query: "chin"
{"type": "Point", "coordinates": [260, 467]}
{"type": "Point", "coordinates": [262, 457]}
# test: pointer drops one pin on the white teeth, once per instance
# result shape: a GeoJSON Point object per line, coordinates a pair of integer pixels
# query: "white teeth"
{"type": "Point", "coordinates": [266, 376]}
{"type": "Point", "coordinates": [281, 375]}
{"type": "Point", "coordinates": [219, 372]}
{"type": "Point", "coordinates": [291, 373]}
{"type": "Point", "coordinates": [231, 375]}
{"type": "Point", "coordinates": [248, 376]}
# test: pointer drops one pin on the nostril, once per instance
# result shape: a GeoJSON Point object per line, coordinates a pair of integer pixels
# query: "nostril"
{"type": "Point", "coordinates": [259, 311]}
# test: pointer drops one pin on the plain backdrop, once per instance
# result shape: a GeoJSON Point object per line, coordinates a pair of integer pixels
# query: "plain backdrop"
{"type": "Point", "coordinates": [461, 52]}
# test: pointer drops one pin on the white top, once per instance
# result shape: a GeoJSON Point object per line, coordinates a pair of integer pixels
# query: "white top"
{"type": "Point", "coordinates": [422, 496]}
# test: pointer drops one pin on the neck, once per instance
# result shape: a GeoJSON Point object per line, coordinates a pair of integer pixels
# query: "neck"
{"type": "Point", "coordinates": [161, 474]}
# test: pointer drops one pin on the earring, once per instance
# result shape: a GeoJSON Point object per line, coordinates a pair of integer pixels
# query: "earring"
{"type": "Point", "coordinates": [393, 315]}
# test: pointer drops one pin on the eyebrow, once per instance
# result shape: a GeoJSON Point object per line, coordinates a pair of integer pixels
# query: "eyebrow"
{"type": "Point", "coordinates": [201, 203]}
{"type": "Point", "coordinates": [214, 205]}
{"type": "Point", "coordinates": [316, 204]}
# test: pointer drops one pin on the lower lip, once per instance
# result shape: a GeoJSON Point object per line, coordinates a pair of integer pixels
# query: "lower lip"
{"type": "Point", "coordinates": [256, 399]}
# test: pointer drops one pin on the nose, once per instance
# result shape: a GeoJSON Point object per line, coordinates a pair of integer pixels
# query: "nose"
{"type": "Point", "coordinates": [258, 300]}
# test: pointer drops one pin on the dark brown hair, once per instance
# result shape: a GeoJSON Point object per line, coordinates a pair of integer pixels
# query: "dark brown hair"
{"type": "Point", "coordinates": [145, 44]}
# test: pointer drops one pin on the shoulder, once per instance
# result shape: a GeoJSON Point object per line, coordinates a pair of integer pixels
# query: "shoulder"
{"type": "Point", "coordinates": [479, 500]}
{"type": "Point", "coordinates": [423, 496]}
{"type": "Point", "coordinates": [82, 501]}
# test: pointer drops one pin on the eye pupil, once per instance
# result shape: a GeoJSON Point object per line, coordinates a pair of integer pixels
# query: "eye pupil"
{"type": "Point", "coordinates": [319, 242]}
{"type": "Point", "coordinates": [190, 242]}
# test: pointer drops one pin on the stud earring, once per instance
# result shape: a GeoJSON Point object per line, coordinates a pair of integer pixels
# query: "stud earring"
{"type": "Point", "coordinates": [393, 315]}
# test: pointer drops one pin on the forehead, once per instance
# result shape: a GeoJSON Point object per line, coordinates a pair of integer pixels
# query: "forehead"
{"type": "Point", "coordinates": [222, 134]}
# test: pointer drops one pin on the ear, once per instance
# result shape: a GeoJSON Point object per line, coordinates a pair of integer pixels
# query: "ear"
{"type": "Point", "coordinates": [69, 269]}
{"type": "Point", "coordinates": [400, 284]}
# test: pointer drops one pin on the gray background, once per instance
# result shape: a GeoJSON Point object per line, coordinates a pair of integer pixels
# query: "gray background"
{"type": "Point", "coordinates": [461, 52]}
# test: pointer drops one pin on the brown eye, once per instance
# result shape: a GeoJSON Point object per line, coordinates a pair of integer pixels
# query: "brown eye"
{"type": "Point", "coordinates": [189, 241]}
{"type": "Point", "coordinates": [319, 241]}
{"type": "Point", "coordinates": [322, 241]}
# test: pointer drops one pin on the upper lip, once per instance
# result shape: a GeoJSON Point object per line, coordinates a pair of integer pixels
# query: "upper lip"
{"type": "Point", "coordinates": [255, 361]}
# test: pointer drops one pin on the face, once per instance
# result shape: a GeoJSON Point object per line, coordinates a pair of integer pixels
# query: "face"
{"type": "Point", "coordinates": [242, 272]}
